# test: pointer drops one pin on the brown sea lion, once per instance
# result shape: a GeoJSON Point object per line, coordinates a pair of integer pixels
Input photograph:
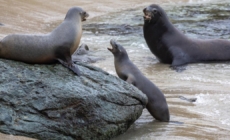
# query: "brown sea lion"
{"type": "Point", "coordinates": [170, 46]}
{"type": "Point", "coordinates": [126, 70]}
{"type": "Point", "coordinates": [58, 45]}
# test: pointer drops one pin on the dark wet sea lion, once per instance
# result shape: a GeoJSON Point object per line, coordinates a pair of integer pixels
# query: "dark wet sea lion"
{"type": "Point", "coordinates": [58, 45]}
{"type": "Point", "coordinates": [170, 46]}
{"type": "Point", "coordinates": [126, 70]}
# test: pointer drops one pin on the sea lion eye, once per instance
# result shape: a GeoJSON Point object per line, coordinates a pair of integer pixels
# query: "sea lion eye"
{"type": "Point", "coordinates": [154, 11]}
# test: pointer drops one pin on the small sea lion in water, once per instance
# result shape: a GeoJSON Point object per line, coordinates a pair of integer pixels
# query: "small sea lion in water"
{"type": "Point", "coordinates": [170, 46]}
{"type": "Point", "coordinates": [58, 45]}
{"type": "Point", "coordinates": [188, 99]}
{"type": "Point", "coordinates": [83, 49]}
{"type": "Point", "coordinates": [83, 54]}
{"type": "Point", "coordinates": [126, 70]}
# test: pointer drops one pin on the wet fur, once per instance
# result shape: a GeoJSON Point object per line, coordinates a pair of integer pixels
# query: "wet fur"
{"type": "Point", "coordinates": [126, 70]}
{"type": "Point", "coordinates": [170, 46]}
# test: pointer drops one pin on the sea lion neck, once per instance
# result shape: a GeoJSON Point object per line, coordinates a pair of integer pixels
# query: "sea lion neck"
{"type": "Point", "coordinates": [122, 57]}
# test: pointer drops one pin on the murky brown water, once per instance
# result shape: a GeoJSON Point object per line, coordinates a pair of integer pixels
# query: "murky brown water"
{"type": "Point", "coordinates": [207, 118]}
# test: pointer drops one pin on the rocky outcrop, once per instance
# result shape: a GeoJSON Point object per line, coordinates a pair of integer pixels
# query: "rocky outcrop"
{"type": "Point", "coordinates": [50, 102]}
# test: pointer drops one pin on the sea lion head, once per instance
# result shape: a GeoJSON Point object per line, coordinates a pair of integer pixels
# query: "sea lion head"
{"type": "Point", "coordinates": [152, 13]}
{"type": "Point", "coordinates": [83, 49]}
{"type": "Point", "coordinates": [74, 12]}
{"type": "Point", "coordinates": [117, 50]}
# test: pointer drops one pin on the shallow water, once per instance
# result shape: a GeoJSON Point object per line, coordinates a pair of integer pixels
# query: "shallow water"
{"type": "Point", "coordinates": [208, 117]}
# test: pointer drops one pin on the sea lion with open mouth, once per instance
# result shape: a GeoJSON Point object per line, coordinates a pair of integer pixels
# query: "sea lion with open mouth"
{"type": "Point", "coordinates": [170, 46]}
{"type": "Point", "coordinates": [126, 70]}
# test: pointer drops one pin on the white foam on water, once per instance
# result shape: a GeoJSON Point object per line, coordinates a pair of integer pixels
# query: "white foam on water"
{"type": "Point", "coordinates": [199, 1]}
{"type": "Point", "coordinates": [130, 51]}
{"type": "Point", "coordinates": [214, 106]}
{"type": "Point", "coordinates": [143, 46]}
{"type": "Point", "coordinates": [206, 80]}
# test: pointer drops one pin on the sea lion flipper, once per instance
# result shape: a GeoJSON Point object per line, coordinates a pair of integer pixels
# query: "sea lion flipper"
{"type": "Point", "coordinates": [130, 79]}
{"type": "Point", "coordinates": [75, 70]}
{"type": "Point", "coordinates": [178, 65]}
{"type": "Point", "coordinates": [178, 68]}
{"type": "Point", "coordinates": [70, 66]}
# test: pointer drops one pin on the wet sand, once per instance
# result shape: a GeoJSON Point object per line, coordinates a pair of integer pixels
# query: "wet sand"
{"type": "Point", "coordinates": [40, 16]}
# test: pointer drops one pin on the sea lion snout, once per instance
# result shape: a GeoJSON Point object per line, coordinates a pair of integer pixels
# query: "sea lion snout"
{"type": "Point", "coordinates": [113, 44]}
{"type": "Point", "coordinates": [149, 12]}
{"type": "Point", "coordinates": [85, 15]}
{"type": "Point", "coordinates": [74, 12]}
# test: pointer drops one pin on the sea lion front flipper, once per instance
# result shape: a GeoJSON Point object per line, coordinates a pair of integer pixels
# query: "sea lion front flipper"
{"type": "Point", "coordinates": [178, 64]}
{"type": "Point", "coordinates": [131, 79]}
{"type": "Point", "coordinates": [70, 66]}
{"type": "Point", "coordinates": [64, 57]}
{"type": "Point", "coordinates": [178, 68]}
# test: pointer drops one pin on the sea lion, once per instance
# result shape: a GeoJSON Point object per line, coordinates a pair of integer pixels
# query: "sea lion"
{"type": "Point", "coordinates": [126, 70]}
{"type": "Point", "coordinates": [170, 46]}
{"type": "Point", "coordinates": [83, 54]}
{"type": "Point", "coordinates": [188, 99]}
{"type": "Point", "coordinates": [83, 49]}
{"type": "Point", "coordinates": [58, 45]}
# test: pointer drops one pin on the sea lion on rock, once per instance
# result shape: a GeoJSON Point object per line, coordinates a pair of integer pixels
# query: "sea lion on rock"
{"type": "Point", "coordinates": [170, 46]}
{"type": "Point", "coordinates": [126, 70]}
{"type": "Point", "coordinates": [58, 45]}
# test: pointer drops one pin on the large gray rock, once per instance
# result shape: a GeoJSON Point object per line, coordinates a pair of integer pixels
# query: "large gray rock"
{"type": "Point", "coordinates": [50, 102]}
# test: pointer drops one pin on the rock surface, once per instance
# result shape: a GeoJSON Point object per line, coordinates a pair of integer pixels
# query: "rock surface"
{"type": "Point", "coordinates": [50, 102]}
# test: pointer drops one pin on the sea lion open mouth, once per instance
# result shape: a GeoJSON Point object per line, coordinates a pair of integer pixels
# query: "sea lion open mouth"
{"type": "Point", "coordinates": [110, 49]}
{"type": "Point", "coordinates": [147, 15]}
{"type": "Point", "coordinates": [86, 15]}
{"type": "Point", "coordinates": [113, 44]}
